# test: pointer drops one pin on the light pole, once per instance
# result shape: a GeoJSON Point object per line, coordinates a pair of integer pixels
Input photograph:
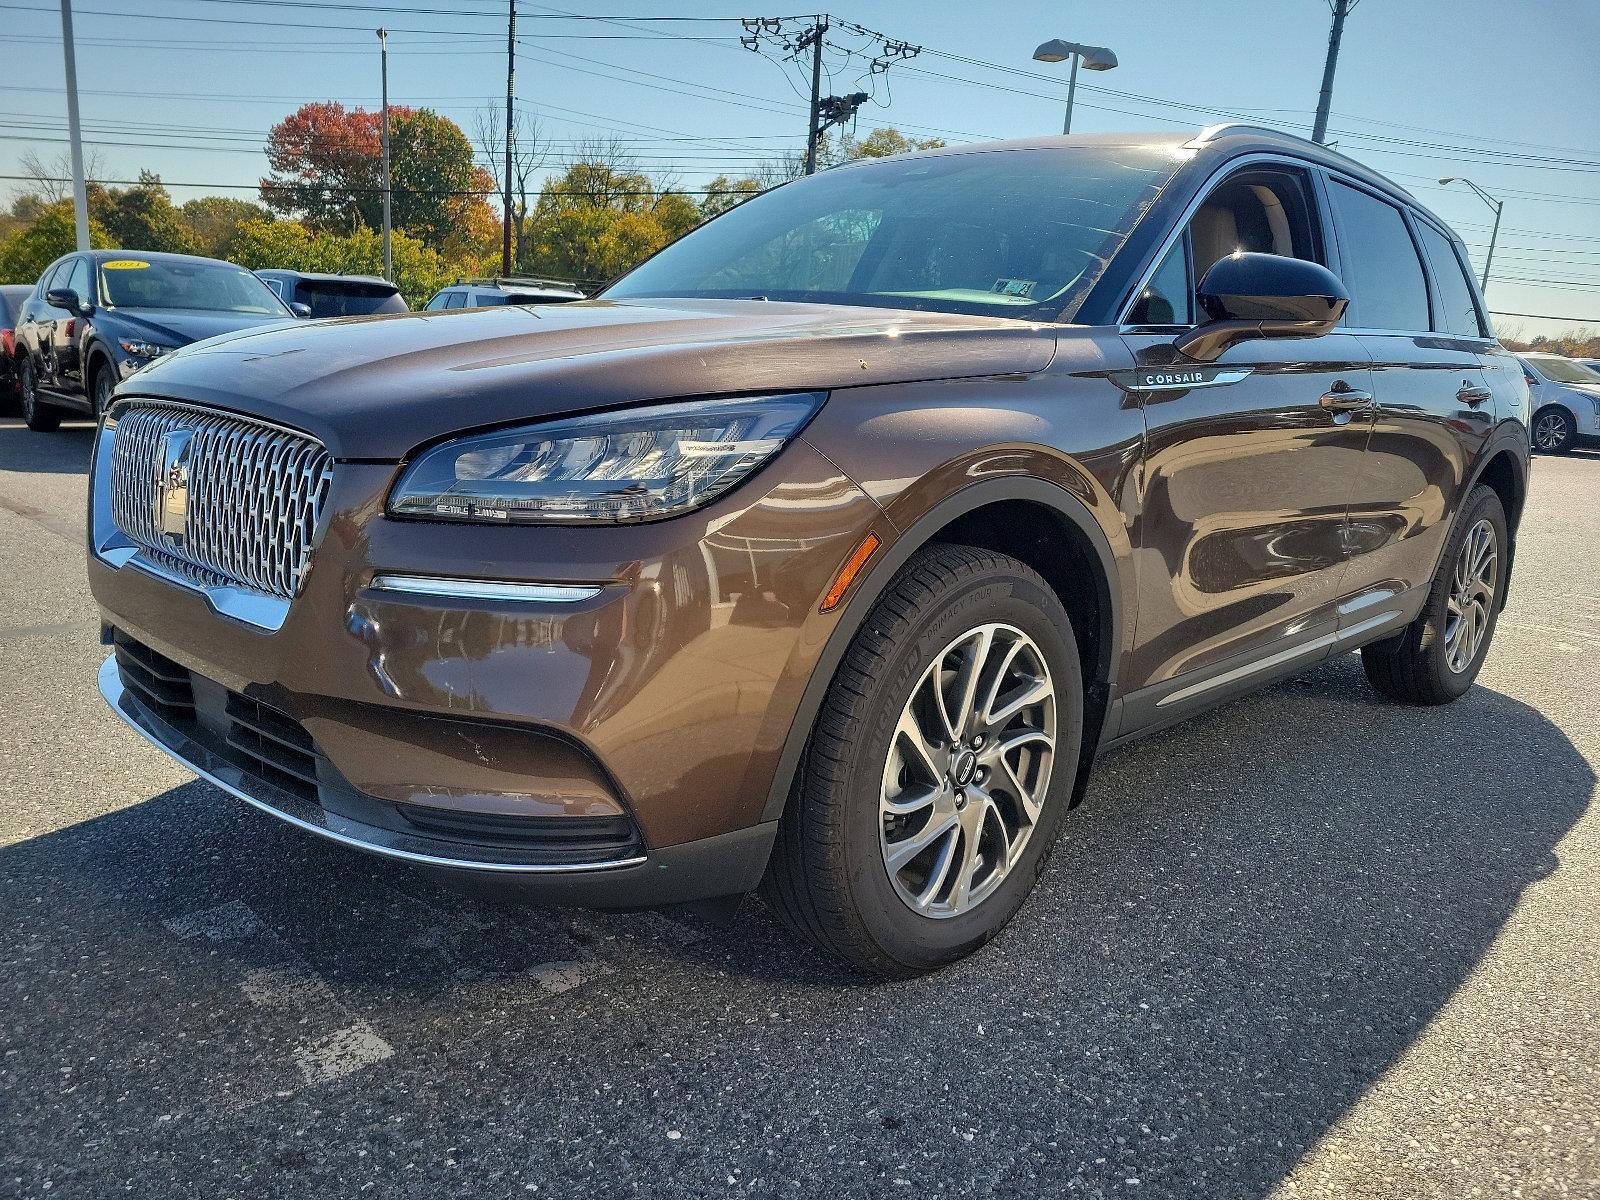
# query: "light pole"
{"type": "Point", "coordinates": [1494, 233]}
{"type": "Point", "coordinates": [80, 194]}
{"type": "Point", "coordinates": [383, 50]}
{"type": "Point", "coordinates": [1094, 58]}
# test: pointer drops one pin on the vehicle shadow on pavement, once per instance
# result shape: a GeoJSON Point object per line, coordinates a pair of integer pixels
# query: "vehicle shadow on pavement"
{"type": "Point", "coordinates": [1250, 920]}
{"type": "Point", "coordinates": [64, 452]}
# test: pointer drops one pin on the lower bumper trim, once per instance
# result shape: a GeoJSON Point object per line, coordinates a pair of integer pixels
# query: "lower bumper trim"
{"type": "Point", "coordinates": [304, 814]}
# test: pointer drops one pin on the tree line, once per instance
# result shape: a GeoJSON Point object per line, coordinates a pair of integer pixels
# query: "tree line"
{"type": "Point", "coordinates": [320, 207]}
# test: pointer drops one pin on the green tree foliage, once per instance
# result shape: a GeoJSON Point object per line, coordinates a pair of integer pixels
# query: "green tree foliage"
{"type": "Point", "coordinates": [214, 222]}
{"type": "Point", "coordinates": [723, 193]}
{"type": "Point", "coordinates": [141, 217]}
{"type": "Point", "coordinates": [50, 235]}
{"type": "Point", "coordinates": [418, 269]}
{"type": "Point", "coordinates": [599, 219]}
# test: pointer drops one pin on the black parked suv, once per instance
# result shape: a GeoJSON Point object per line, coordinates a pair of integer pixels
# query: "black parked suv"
{"type": "Point", "coordinates": [334, 295]}
{"type": "Point", "coordinates": [95, 318]}
{"type": "Point", "coordinates": [485, 293]}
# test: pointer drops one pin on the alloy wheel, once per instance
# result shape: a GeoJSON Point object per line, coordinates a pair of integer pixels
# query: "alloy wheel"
{"type": "Point", "coordinates": [1472, 590]}
{"type": "Point", "coordinates": [1550, 431]}
{"type": "Point", "coordinates": [967, 771]}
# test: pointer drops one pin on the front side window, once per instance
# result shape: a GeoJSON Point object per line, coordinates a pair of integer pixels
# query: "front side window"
{"type": "Point", "coordinates": [1168, 299]}
{"type": "Point", "coordinates": [78, 281]}
{"type": "Point", "coordinates": [1458, 311]}
{"type": "Point", "coordinates": [439, 300]}
{"type": "Point", "coordinates": [209, 287]}
{"type": "Point", "coordinates": [1018, 233]}
{"type": "Point", "coordinates": [1387, 287]}
{"type": "Point", "coordinates": [456, 300]}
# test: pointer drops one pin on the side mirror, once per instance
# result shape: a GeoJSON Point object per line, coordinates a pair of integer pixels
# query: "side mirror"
{"type": "Point", "coordinates": [299, 309]}
{"type": "Point", "coordinates": [62, 298]}
{"type": "Point", "coordinates": [1250, 296]}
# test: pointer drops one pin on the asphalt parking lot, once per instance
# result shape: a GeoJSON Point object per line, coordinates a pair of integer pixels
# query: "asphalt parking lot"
{"type": "Point", "coordinates": [1313, 944]}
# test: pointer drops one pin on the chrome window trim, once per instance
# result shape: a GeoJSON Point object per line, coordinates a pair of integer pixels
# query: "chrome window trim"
{"type": "Point", "coordinates": [484, 589]}
{"type": "Point", "coordinates": [315, 819]}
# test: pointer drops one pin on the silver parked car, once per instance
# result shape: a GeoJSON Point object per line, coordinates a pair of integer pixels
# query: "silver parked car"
{"type": "Point", "coordinates": [1566, 402]}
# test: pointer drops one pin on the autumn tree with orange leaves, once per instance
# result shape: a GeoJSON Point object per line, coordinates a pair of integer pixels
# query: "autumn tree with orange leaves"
{"type": "Point", "coordinates": [327, 171]}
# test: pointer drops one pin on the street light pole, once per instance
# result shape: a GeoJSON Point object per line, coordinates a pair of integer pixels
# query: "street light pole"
{"type": "Point", "coordinates": [1494, 233]}
{"type": "Point", "coordinates": [80, 189]}
{"type": "Point", "coordinates": [388, 257]}
{"type": "Point", "coordinates": [1072, 92]}
{"type": "Point", "coordinates": [1093, 58]}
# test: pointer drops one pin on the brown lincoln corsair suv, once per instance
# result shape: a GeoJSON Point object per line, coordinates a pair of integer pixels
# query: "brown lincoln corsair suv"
{"type": "Point", "coordinates": [823, 551]}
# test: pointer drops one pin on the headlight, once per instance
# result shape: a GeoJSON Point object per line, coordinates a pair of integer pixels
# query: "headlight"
{"type": "Point", "coordinates": [144, 349]}
{"type": "Point", "coordinates": [635, 465]}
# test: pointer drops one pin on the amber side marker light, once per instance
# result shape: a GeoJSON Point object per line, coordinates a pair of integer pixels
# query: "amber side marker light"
{"type": "Point", "coordinates": [847, 573]}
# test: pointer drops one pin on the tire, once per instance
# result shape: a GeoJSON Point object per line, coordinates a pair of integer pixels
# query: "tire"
{"type": "Point", "coordinates": [1554, 430]}
{"type": "Point", "coordinates": [1430, 663]}
{"type": "Point", "coordinates": [102, 377]}
{"type": "Point", "coordinates": [36, 415]}
{"type": "Point", "coordinates": [830, 878]}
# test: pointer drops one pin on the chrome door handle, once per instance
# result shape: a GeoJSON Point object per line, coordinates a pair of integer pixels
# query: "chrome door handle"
{"type": "Point", "coordinates": [1473, 394]}
{"type": "Point", "coordinates": [1344, 399]}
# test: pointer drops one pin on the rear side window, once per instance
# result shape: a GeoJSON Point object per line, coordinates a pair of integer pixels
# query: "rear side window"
{"type": "Point", "coordinates": [1387, 287]}
{"type": "Point", "coordinates": [1458, 311]}
{"type": "Point", "coordinates": [487, 299]}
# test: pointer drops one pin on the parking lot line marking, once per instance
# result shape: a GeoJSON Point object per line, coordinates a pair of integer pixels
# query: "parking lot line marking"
{"type": "Point", "coordinates": [340, 1053]}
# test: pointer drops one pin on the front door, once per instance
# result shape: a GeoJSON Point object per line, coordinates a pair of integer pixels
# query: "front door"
{"type": "Point", "coordinates": [1243, 526]}
{"type": "Point", "coordinates": [1247, 476]}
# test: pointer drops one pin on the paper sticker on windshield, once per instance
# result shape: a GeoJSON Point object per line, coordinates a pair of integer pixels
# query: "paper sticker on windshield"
{"type": "Point", "coordinates": [124, 264]}
{"type": "Point", "coordinates": [1014, 287]}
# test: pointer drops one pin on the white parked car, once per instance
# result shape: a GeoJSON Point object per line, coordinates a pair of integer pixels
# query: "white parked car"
{"type": "Point", "coordinates": [1566, 402]}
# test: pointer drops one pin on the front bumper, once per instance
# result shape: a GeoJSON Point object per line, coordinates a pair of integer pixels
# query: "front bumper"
{"type": "Point", "coordinates": [728, 864]}
{"type": "Point", "coordinates": [667, 698]}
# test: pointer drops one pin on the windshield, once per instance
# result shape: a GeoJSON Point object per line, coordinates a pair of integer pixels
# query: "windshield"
{"type": "Point", "coordinates": [211, 286]}
{"type": "Point", "coordinates": [1016, 233]}
{"type": "Point", "coordinates": [1564, 370]}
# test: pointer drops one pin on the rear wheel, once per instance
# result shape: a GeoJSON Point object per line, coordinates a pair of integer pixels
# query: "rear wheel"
{"type": "Point", "coordinates": [1439, 655]}
{"type": "Point", "coordinates": [1554, 431]}
{"type": "Point", "coordinates": [37, 415]}
{"type": "Point", "coordinates": [940, 768]}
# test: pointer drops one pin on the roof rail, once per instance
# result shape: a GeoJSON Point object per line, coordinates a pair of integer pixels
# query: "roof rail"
{"type": "Point", "coordinates": [515, 280]}
{"type": "Point", "coordinates": [1212, 132]}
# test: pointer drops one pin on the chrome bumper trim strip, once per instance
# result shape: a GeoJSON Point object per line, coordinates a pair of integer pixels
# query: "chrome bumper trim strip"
{"type": "Point", "coordinates": [485, 589]}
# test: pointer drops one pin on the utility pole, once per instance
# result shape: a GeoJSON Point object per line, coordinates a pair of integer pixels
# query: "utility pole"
{"type": "Point", "coordinates": [388, 257]}
{"type": "Point", "coordinates": [80, 190]}
{"type": "Point", "coordinates": [1341, 10]}
{"type": "Point", "coordinates": [814, 133]}
{"type": "Point", "coordinates": [511, 99]}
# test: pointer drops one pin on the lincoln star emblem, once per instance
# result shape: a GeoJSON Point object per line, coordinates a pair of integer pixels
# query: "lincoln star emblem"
{"type": "Point", "coordinates": [172, 484]}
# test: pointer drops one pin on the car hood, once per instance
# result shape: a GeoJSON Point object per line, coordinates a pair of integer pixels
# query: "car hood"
{"type": "Point", "coordinates": [180, 326]}
{"type": "Point", "coordinates": [377, 387]}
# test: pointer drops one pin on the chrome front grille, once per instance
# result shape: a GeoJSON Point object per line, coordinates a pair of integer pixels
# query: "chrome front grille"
{"type": "Point", "coordinates": [254, 495]}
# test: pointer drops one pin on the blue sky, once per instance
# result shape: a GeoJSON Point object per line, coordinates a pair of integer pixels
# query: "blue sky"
{"type": "Point", "coordinates": [1507, 94]}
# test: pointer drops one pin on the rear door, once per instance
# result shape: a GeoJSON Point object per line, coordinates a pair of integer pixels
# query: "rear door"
{"type": "Point", "coordinates": [1434, 408]}
{"type": "Point", "coordinates": [1247, 473]}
